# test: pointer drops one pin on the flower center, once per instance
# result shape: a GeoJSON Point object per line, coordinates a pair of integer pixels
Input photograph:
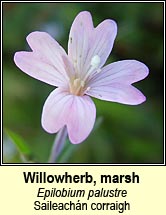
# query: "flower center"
{"type": "Point", "coordinates": [77, 87]}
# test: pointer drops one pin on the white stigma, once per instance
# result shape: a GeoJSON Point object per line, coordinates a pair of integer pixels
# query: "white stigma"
{"type": "Point", "coordinates": [95, 61]}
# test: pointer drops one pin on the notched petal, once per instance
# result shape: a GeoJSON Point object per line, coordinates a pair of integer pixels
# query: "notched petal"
{"type": "Point", "coordinates": [82, 114]}
{"type": "Point", "coordinates": [38, 67]}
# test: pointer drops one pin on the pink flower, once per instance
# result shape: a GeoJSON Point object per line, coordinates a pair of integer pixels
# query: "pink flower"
{"type": "Point", "coordinates": [80, 74]}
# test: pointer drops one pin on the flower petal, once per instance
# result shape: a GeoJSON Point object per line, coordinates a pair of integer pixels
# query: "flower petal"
{"type": "Point", "coordinates": [45, 63]}
{"type": "Point", "coordinates": [85, 42]}
{"type": "Point", "coordinates": [37, 67]}
{"type": "Point", "coordinates": [81, 119]}
{"type": "Point", "coordinates": [126, 71]}
{"type": "Point", "coordinates": [78, 113]}
{"type": "Point", "coordinates": [43, 43]}
{"type": "Point", "coordinates": [125, 94]}
{"type": "Point", "coordinates": [102, 42]}
{"type": "Point", "coordinates": [113, 83]}
{"type": "Point", "coordinates": [55, 110]}
{"type": "Point", "coordinates": [78, 44]}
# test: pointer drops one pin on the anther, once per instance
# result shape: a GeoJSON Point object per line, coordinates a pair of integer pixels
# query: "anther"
{"type": "Point", "coordinates": [82, 83]}
{"type": "Point", "coordinates": [87, 89]}
{"type": "Point", "coordinates": [76, 81]}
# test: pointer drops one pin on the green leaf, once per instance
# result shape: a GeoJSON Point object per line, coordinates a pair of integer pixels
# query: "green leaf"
{"type": "Point", "coordinates": [19, 142]}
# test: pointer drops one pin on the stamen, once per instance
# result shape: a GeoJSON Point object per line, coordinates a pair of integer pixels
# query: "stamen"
{"type": "Point", "coordinates": [88, 88]}
{"type": "Point", "coordinates": [76, 82]}
{"type": "Point", "coordinates": [77, 86]}
{"type": "Point", "coordinates": [82, 83]}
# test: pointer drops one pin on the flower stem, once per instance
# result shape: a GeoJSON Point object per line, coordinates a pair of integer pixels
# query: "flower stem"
{"type": "Point", "coordinates": [58, 145]}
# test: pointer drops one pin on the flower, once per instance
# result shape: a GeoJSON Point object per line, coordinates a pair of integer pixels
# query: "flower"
{"type": "Point", "coordinates": [80, 74]}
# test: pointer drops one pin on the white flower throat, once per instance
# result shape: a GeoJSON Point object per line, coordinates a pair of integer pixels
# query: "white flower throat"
{"type": "Point", "coordinates": [78, 85]}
